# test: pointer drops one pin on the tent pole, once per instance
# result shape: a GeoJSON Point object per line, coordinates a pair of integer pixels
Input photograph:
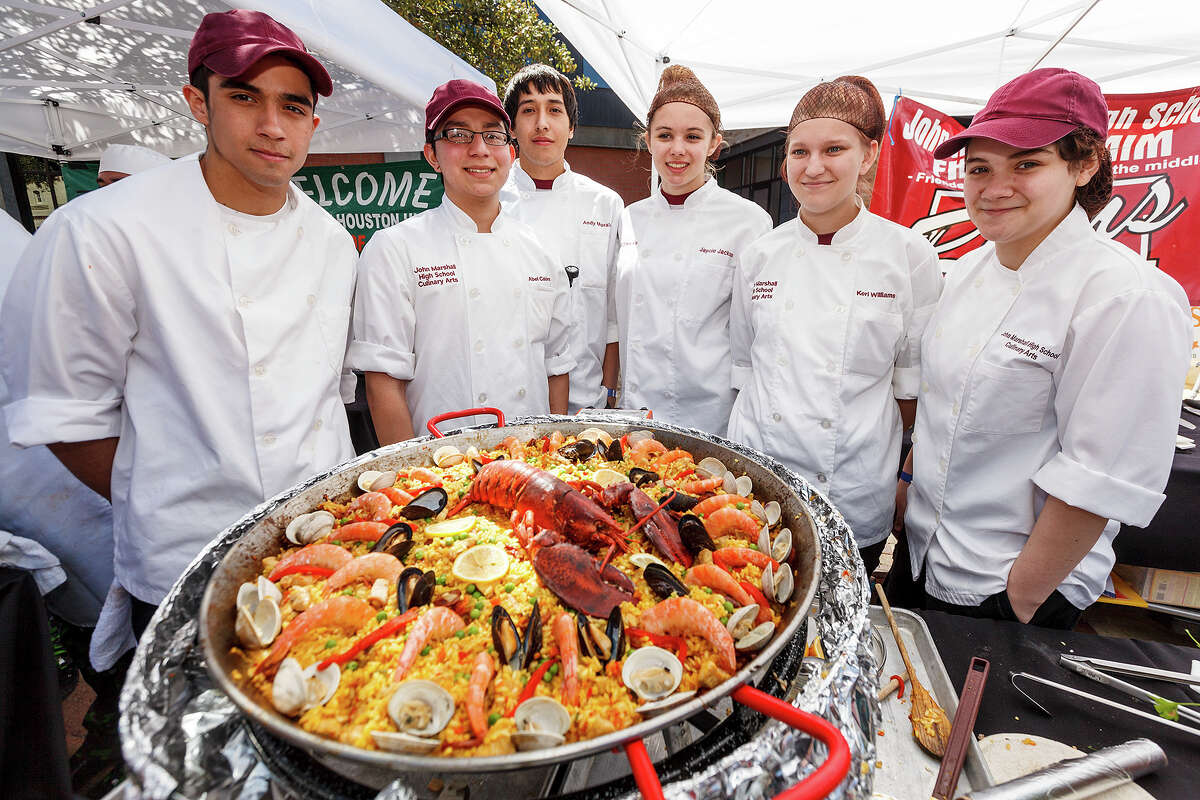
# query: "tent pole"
{"type": "Point", "coordinates": [59, 24]}
{"type": "Point", "coordinates": [1070, 28]}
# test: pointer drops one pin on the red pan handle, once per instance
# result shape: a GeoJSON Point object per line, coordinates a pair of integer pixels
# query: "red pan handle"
{"type": "Point", "coordinates": [466, 412]}
{"type": "Point", "coordinates": [643, 770]}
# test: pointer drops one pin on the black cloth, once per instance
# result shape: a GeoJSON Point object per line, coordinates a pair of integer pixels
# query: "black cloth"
{"type": "Point", "coordinates": [1168, 541]}
{"type": "Point", "coordinates": [33, 744]}
{"type": "Point", "coordinates": [871, 554]}
{"type": "Point", "coordinates": [140, 614]}
{"type": "Point", "coordinates": [1012, 647]}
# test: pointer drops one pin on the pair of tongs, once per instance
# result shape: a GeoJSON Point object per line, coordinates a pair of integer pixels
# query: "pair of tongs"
{"type": "Point", "coordinates": [1084, 667]}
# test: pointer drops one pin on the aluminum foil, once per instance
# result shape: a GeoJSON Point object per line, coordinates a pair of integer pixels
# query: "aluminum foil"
{"type": "Point", "coordinates": [181, 738]}
{"type": "Point", "coordinates": [1077, 778]}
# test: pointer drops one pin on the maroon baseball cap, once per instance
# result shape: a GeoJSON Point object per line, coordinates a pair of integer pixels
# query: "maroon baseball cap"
{"type": "Point", "coordinates": [456, 94]}
{"type": "Point", "coordinates": [231, 42]}
{"type": "Point", "coordinates": [1035, 109]}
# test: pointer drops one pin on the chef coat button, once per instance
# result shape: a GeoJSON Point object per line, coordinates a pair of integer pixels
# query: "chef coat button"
{"type": "Point", "coordinates": [244, 301]}
{"type": "Point", "coordinates": [777, 417]}
{"type": "Point", "coordinates": [679, 257]}
{"type": "Point", "coordinates": [937, 334]}
{"type": "Point", "coordinates": [234, 229]}
{"type": "Point", "coordinates": [1016, 290]}
{"type": "Point", "coordinates": [516, 293]}
{"type": "Point", "coordinates": [317, 425]}
{"type": "Point", "coordinates": [789, 305]}
{"type": "Point", "coordinates": [783, 362]}
{"type": "Point", "coordinates": [924, 386]}
{"type": "Point", "coordinates": [269, 439]}
{"type": "Point", "coordinates": [474, 293]}
{"type": "Point", "coordinates": [311, 299]}
{"type": "Point", "coordinates": [942, 464]}
{"type": "Point", "coordinates": [638, 299]}
{"type": "Point", "coordinates": [518, 342]}
{"type": "Point", "coordinates": [646, 252]}
{"type": "Point", "coordinates": [839, 309]}
{"type": "Point", "coordinates": [826, 424]}
{"type": "Point", "coordinates": [633, 387]}
{"type": "Point", "coordinates": [299, 232]}
{"type": "Point", "coordinates": [483, 397]}
{"type": "Point", "coordinates": [506, 242]}
{"type": "Point", "coordinates": [521, 392]}
{"type": "Point", "coordinates": [800, 252]}
{"type": "Point", "coordinates": [972, 350]}
{"type": "Point", "coordinates": [847, 256]}
{"type": "Point", "coordinates": [821, 478]}
{"type": "Point", "coordinates": [954, 409]}
{"type": "Point", "coordinates": [831, 367]}
{"type": "Point", "coordinates": [978, 282]}
{"type": "Point", "coordinates": [479, 346]}
{"type": "Point", "coordinates": [260, 370]}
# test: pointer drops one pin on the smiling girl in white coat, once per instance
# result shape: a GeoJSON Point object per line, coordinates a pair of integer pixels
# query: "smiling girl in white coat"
{"type": "Point", "coordinates": [1051, 371]}
{"type": "Point", "coordinates": [675, 274]}
{"type": "Point", "coordinates": [828, 311]}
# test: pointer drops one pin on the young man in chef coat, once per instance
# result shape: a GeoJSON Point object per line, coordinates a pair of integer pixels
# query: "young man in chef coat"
{"type": "Point", "coordinates": [576, 219]}
{"type": "Point", "coordinates": [459, 306]}
{"type": "Point", "coordinates": [177, 339]}
{"type": "Point", "coordinates": [119, 161]}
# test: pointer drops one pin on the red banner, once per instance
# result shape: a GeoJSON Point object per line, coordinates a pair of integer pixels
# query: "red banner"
{"type": "Point", "coordinates": [1155, 143]}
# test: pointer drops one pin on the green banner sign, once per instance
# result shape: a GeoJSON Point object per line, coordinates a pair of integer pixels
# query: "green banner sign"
{"type": "Point", "coordinates": [364, 198]}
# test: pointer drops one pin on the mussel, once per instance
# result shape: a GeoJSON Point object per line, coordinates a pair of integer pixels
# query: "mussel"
{"type": "Point", "coordinates": [613, 452]}
{"type": "Point", "coordinates": [682, 502]}
{"type": "Point", "coordinates": [514, 649]}
{"type": "Point", "coordinates": [396, 540]}
{"type": "Point", "coordinates": [695, 537]}
{"type": "Point", "coordinates": [414, 588]}
{"type": "Point", "coordinates": [663, 582]}
{"type": "Point", "coordinates": [640, 477]}
{"type": "Point", "coordinates": [428, 503]}
{"type": "Point", "coordinates": [578, 451]}
{"type": "Point", "coordinates": [604, 643]}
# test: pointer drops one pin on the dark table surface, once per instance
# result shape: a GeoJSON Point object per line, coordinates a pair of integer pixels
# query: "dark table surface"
{"type": "Point", "coordinates": [1168, 542]}
{"type": "Point", "coordinates": [1011, 647]}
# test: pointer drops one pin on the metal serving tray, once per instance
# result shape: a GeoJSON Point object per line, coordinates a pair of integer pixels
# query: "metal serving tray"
{"type": "Point", "coordinates": [904, 770]}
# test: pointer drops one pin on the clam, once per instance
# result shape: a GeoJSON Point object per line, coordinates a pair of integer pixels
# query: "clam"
{"type": "Point", "coordinates": [428, 503]}
{"type": "Point", "coordinates": [741, 621]}
{"type": "Point", "coordinates": [711, 468]}
{"type": "Point", "coordinates": [705, 556]}
{"type": "Point", "coordinates": [640, 477]}
{"type": "Point", "coordinates": [447, 456]}
{"type": "Point", "coordinates": [298, 689]}
{"type": "Point", "coordinates": [578, 451]}
{"type": "Point", "coordinates": [773, 513]}
{"type": "Point", "coordinates": [730, 483]}
{"type": "Point", "coordinates": [682, 502]}
{"type": "Point", "coordinates": [781, 546]}
{"type": "Point", "coordinates": [379, 593]}
{"type": "Point", "coordinates": [396, 540]}
{"type": "Point", "coordinates": [596, 436]}
{"type": "Point", "coordinates": [373, 480]}
{"type": "Point", "coordinates": [259, 619]}
{"type": "Point", "coordinates": [652, 673]}
{"type": "Point", "coordinates": [756, 638]}
{"type": "Point", "coordinates": [778, 583]}
{"type": "Point", "coordinates": [668, 702]}
{"type": "Point", "coordinates": [420, 708]}
{"type": "Point", "coordinates": [414, 588]}
{"type": "Point", "coordinates": [308, 528]}
{"type": "Point", "coordinates": [743, 485]}
{"type": "Point", "coordinates": [638, 436]}
{"type": "Point", "coordinates": [404, 742]}
{"type": "Point", "coordinates": [663, 582]}
{"type": "Point", "coordinates": [513, 648]}
{"type": "Point", "coordinates": [764, 540]}
{"type": "Point", "coordinates": [541, 722]}
{"type": "Point", "coordinates": [601, 640]}
{"type": "Point", "coordinates": [694, 535]}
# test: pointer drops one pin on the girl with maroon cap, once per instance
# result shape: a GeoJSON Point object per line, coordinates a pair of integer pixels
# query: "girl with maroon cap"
{"type": "Point", "coordinates": [828, 311]}
{"type": "Point", "coordinates": [1051, 372]}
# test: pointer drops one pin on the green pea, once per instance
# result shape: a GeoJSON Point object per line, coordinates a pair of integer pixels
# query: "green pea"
{"type": "Point", "coordinates": [472, 630]}
{"type": "Point", "coordinates": [547, 675]}
{"type": "Point", "coordinates": [491, 649]}
{"type": "Point", "coordinates": [741, 506]}
{"type": "Point", "coordinates": [508, 587]}
{"type": "Point", "coordinates": [554, 669]}
{"type": "Point", "coordinates": [728, 607]}
{"type": "Point", "coordinates": [441, 580]}
{"type": "Point", "coordinates": [346, 520]}
{"type": "Point", "coordinates": [425, 650]}
{"type": "Point", "coordinates": [330, 644]}
{"type": "Point", "coordinates": [419, 554]}
{"type": "Point", "coordinates": [707, 590]}
{"type": "Point", "coordinates": [353, 665]}
{"type": "Point", "coordinates": [475, 612]}
{"type": "Point", "coordinates": [493, 718]}
{"type": "Point", "coordinates": [470, 588]}
{"type": "Point", "coordinates": [752, 546]}
{"type": "Point", "coordinates": [381, 616]}
{"type": "Point", "coordinates": [724, 620]}
{"type": "Point", "coordinates": [480, 603]}
{"type": "Point", "coordinates": [337, 542]}
{"type": "Point", "coordinates": [459, 634]}
{"type": "Point", "coordinates": [347, 592]}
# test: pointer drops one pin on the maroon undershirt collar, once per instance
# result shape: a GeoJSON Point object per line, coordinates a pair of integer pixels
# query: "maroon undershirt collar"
{"type": "Point", "coordinates": [677, 199]}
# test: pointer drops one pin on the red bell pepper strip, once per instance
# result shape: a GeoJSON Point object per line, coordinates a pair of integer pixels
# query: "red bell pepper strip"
{"type": "Point", "coordinates": [389, 628]}
{"type": "Point", "coordinates": [545, 444]}
{"type": "Point", "coordinates": [531, 687]}
{"type": "Point", "coordinates": [764, 608]}
{"type": "Point", "coordinates": [899, 680]}
{"type": "Point", "coordinates": [684, 473]}
{"type": "Point", "coordinates": [677, 643]}
{"type": "Point", "coordinates": [302, 569]}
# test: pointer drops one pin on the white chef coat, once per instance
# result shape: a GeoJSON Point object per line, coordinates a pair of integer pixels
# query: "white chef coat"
{"type": "Point", "coordinates": [211, 343]}
{"type": "Point", "coordinates": [41, 500]}
{"type": "Point", "coordinates": [674, 283]}
{"type": "Point", "coordinates": [577, 221]}
{"type": "Point", "coordinates": [1060, 378]}
{"type": "Point", "coordinates": [825, 339]}
{"type": "Point", "coordinates": [467, 318]}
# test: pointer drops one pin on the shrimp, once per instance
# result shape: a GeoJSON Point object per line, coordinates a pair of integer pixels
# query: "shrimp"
{"type": "Point", "coordinates": [481, 678]}
{"type": "Point", "coordinates": [326, 556]}
{"type": "Point", "coordinates": [700, 486]}
{"type": "Point", "coordinates": [556, 440]}
{"type": "Point", "coordinates": [376, 505]}
{"type": "Point", "coordinates": [370, 567]}
{"type": "Point", "coordinates": [365, 531]}
{"type": "Point", "coordinates": [423, 474]}
{"type": "Point", "coordinates": [434, 625]}
{"type": "Point", "coordinates": [344, 612]}
{"type": "Point", "coordinates": [711, 504]}
{"type": "Point", "coordinates": [730, 521]}
{"type": "Point", "coordinates": [682, 616]}
{"type": "Point", "coordinates": [718, 580]}
{"type": "Point", "coordinates": [566, 635]}
{"type": "Point", "coordinates": [671, 456]}
{"type": "Point", "coordinates": [514, 446]}
{"type": "Point", "coordinates": [644, 451]}
{"type": "Point", "coordinates": [397, 496]}
{"type": "Point", "coordinates": [734, 557]}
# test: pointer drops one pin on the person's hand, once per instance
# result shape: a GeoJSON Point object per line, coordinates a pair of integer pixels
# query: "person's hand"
{"type": "Point", "coordinates": [1023, 608]}
{"type": "Point", "coordinates": [901, 505]}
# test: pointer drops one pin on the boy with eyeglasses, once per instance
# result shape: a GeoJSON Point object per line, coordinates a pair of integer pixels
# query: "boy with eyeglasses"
{"type": "Point", "coordinates": [460, 306]}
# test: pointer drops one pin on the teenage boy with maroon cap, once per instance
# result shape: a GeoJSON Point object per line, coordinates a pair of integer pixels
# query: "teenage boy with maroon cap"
{"type": "Point", "coordinates": [459, 306]}
{"type": "Point", "coordinates": [177, 339]}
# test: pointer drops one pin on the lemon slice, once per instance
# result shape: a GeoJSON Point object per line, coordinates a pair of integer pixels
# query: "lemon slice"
{"type": "Point", "coordinates": [482, 564]}
{"type": "Point", "coordinates": [644, 560]}
{"type": "Point", "coordinates": [451, 527]}
{"type": "Point", "coordinates": [607, 477]}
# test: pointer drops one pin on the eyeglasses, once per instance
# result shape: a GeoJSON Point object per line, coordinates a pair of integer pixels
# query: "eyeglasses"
{"type": "Point", "coordinates": [466, 136]}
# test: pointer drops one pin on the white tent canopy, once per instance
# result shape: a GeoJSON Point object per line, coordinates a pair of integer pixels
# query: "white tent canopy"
{"type": "Point", "coordinates": [77, 75]}
{"type": "Point", "coordinates": [758, 57]}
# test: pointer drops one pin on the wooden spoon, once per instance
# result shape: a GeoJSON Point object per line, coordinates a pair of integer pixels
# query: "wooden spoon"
{"type": "Point", "coordinates": [931, 726]}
